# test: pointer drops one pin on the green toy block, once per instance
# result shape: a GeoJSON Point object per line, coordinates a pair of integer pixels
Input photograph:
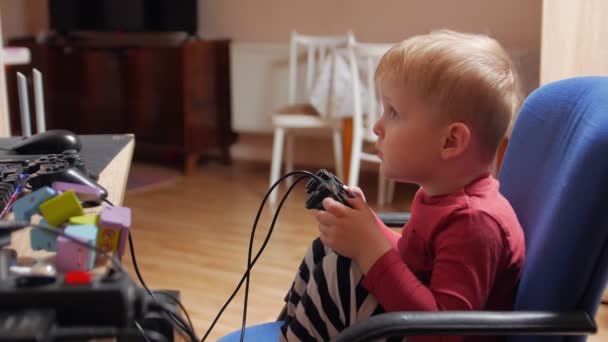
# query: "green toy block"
{"type": "Point", "coordinates": [85, 219]}
{"type": "Point", "coordinates": [60, 208]}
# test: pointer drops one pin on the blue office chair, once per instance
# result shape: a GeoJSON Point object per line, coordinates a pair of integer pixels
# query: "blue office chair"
{"type": "Point", "coordinates": [555, 174]}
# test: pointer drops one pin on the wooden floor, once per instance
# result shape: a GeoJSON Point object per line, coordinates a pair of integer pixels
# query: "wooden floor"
{"type": "Point", "coordinates": [194, 236]}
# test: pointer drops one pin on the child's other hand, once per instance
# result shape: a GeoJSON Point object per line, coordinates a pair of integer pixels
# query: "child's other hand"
{"type": "Point", "coordinates": [352, 232]}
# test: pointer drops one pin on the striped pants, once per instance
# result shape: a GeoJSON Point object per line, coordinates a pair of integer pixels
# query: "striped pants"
{"type": "Point", "coordinates": [326, 297]}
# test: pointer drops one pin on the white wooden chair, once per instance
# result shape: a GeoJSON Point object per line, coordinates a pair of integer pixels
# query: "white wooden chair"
{"type": "Point", "coordinates": [299, 117]}
{"type": "Point", "coordinates": [367, 107]}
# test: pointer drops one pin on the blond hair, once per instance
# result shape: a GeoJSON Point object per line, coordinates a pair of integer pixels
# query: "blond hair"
{"type": "Point", "coordinates": [465, 77]}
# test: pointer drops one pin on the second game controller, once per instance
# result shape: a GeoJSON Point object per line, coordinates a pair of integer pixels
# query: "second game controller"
{"type": "Point", "coordinates": [325, 185]}
{"type": "Point", "coordinates": [63, 167]}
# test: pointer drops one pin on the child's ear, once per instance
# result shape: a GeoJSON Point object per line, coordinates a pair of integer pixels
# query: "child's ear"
{"type": "Point", "coordinates": [456, 140]}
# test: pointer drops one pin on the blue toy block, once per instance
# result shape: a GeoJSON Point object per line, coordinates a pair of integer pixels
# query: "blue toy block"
{"type": "Point", "coordinates": [26, 206]}
{"type": "Point", "coordinates": [42, 239]}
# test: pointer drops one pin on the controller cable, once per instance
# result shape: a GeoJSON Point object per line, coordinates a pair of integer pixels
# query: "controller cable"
{"type": "Point", "coordinates": [150, 335]}
{"type": "Point", "coordinates": [250, 263]}
{"type": "Point", "coordinates": [184, 328]}
{"type": "Point", "coordinates": [23, 178]}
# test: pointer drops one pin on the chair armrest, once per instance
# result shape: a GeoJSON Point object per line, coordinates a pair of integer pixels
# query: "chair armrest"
{"type": "Point", "coordinates": [450, 323]}
{"type": "Point", "coordinates": [394, 220]}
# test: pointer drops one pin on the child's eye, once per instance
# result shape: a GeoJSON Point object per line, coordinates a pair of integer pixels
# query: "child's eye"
{"type": "Point", "coordinates": [393, 113]}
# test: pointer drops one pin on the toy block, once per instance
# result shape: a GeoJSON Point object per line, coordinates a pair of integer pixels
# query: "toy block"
{"type": "Point", "coordinates": [118, 219]}
{"type": "Point", "coordinates": [60, 208]}
{"type": "Point", "coordinates": [42, 239]}
{"type": "Point", "coordinates": [84, 219]}
{"type": "Point", "coordinates": [28, 205]}
{"type": "Point", "coordinates": [72, 256]}
{"type": "Point", "coordinates": [107, 239]}
{"type": "Point", "coordinates": [83, 192]}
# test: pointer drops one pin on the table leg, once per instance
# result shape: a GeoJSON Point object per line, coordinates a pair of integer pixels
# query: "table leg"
{"type": "Point", "coordinates": [347, 142]}
{"type": "Point", "coordinates": [191, 163]}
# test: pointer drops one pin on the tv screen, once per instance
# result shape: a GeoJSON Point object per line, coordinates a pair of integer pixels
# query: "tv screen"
{"type": "Point", "coordinates": [123, 15]}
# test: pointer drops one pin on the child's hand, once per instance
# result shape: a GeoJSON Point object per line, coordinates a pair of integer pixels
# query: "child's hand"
{"type": "Point", "coordinates": [352, 232]}
{"type": "Point", "coordinates": [355, 190]}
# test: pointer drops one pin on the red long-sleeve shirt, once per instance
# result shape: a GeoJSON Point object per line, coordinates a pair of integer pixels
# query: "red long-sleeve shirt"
{"type": "Point", "coordinates": [463, 251]}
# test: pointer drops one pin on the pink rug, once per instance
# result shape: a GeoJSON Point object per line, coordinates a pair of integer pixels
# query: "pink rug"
{"type": "Point", "coordinates": [145, 177]}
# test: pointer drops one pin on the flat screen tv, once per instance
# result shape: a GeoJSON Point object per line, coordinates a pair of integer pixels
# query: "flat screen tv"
{"type": "Point", "coordinates": [66, 16]}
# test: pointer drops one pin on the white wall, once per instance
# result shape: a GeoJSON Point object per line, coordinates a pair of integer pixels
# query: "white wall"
{"type": "Point", "coordinates": [23, 17]}
{"type": "Point", "coordinates": [575, 31]}
{"type": "Point", "coordinates": [516, 23]}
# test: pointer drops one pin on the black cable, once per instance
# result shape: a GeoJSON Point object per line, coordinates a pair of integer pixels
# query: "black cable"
{"type": "Point", "coordinates": [170, 313]}
{"type": "Point", "coordinates": [150, 335]}
{"type": "Point", "coordinates": [251, 264]}
{"type": "Point", "coordinates": [176, 301]}
{"type": "Point", "coordinates": [150, 292]}
{"type": "Point", "coordinates": [141, 330]}
{"type": "Point", "coordinates": [155, 336]}
{"type": "Point", "coordinates": [23, 178]}
{"type": "Point", "coordinates": [184, 328]}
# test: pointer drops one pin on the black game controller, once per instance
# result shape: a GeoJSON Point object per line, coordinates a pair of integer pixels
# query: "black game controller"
{"type": "Point", "coordinates": [326, 185]}
{"type": "Point", "coordinates": [64, 167]}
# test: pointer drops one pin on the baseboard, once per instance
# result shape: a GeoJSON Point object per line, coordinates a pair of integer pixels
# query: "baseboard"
{"type": "Point", "coordinates": [311, 151]}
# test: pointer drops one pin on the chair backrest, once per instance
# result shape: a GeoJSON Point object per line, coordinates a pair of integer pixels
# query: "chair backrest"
{"type": "Point", "coordinates": [316, 49]}
{"type": "Point", "coordinates": [555, 174]}
{"type": "Point", "coordinates": [367, 107]}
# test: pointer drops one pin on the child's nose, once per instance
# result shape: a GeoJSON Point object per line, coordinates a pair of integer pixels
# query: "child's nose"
{"type": "Point", "coordinates": [378, 128]}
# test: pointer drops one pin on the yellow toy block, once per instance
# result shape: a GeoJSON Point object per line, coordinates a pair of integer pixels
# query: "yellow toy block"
{"type": "Point", "coordinates": [60, 208]}
{"type": "Point", "coordinates": [107, 239]}
{"type": "Point", "coordinates": [85, 219]}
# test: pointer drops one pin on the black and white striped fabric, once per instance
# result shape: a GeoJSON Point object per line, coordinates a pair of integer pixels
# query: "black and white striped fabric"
{"type": "Point", "coordinates": [326, 297]}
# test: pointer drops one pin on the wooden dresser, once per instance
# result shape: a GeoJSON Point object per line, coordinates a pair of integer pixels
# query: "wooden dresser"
{"type": "Point", "coordinates": [174, 96]}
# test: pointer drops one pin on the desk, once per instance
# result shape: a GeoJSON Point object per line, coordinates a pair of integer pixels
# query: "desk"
{"type": "Point", "coordinates": [113, 177]}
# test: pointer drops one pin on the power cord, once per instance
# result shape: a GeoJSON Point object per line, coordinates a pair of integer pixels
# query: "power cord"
{"type": "Point", "coordinates": [150, 336]}
{"type": "Point", "coordinates": [23, 178]}
{"type": "Point", "coordinates": [184, 328]}
{"type": "Point", "coordinates": [178, 303]}
{"type": "Point", "coordinates": [181, 323]}
{"type": "Point", "coordinates": [251, 263]}
{"type": "Point", "coordinates": [187, 329]}
{"type": "Point", "coordinates": [141, 330]}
